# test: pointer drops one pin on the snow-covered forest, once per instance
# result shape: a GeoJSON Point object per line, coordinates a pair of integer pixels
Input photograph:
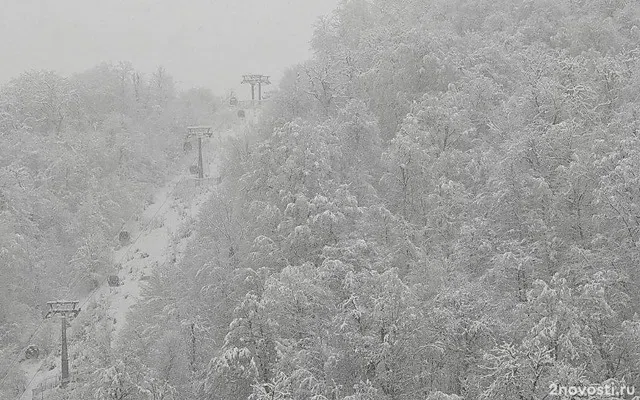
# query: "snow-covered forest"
{"type": "Point", "coordinates": [443, 203]}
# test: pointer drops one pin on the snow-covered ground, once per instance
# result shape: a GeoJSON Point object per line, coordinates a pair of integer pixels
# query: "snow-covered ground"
{"type": "Point", "coordinates": [152, 245]}
{"type": "Point", "coordinates": [174, 205]}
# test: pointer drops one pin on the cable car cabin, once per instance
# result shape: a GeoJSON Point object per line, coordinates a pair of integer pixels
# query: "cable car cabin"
{"type": "Point", "coordinates": [124, 237]}
{"type": "Point", "coordinates": [113, 280]}
{"type": "Point", "coordinates": [240, 113]}
{"type": "Point", "coordinates": [194, 169]}
{"type": "Point", "coordinates": [233, 101]}
{"type": "Point", "coordinates": [32, 352]}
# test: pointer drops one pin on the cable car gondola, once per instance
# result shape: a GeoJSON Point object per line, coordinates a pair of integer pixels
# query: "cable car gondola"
{"type": "Point", "coordinates": [114, 280]}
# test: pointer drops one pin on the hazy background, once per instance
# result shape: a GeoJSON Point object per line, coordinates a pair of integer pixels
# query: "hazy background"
{"type": "Point", "coordinates": [200, 42]}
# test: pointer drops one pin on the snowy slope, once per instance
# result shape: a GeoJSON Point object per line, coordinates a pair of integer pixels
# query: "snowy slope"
{"type": "Point", "coordinates": [174, 205]}
{"type": "Point", "coordinates": [152, 247]}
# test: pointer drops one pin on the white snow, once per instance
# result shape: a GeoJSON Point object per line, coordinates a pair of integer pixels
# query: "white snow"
{"type": "Point", "coordinates": [153, 247]}
{"type": "Point", "coordinates": [174, 205]}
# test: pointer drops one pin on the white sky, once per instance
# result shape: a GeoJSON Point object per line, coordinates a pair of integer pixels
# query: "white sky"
{"type": "Point", "coordinates": [208, 43]}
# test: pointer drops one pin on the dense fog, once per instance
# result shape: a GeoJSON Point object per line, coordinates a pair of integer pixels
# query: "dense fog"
{"type": "Point", "coordinates": [441, 202]}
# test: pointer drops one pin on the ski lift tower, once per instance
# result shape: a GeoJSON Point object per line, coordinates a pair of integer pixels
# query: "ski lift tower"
{"type": "Point", "coordinates": [199, 132]}
{"type": "Point", "coordinates": [66, 310]}
{"type": "Point", "coordinates": [254, 80]}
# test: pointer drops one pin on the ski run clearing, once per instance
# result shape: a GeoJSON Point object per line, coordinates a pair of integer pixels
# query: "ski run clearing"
{"type": "Point", "coordinates": [151, 244]}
